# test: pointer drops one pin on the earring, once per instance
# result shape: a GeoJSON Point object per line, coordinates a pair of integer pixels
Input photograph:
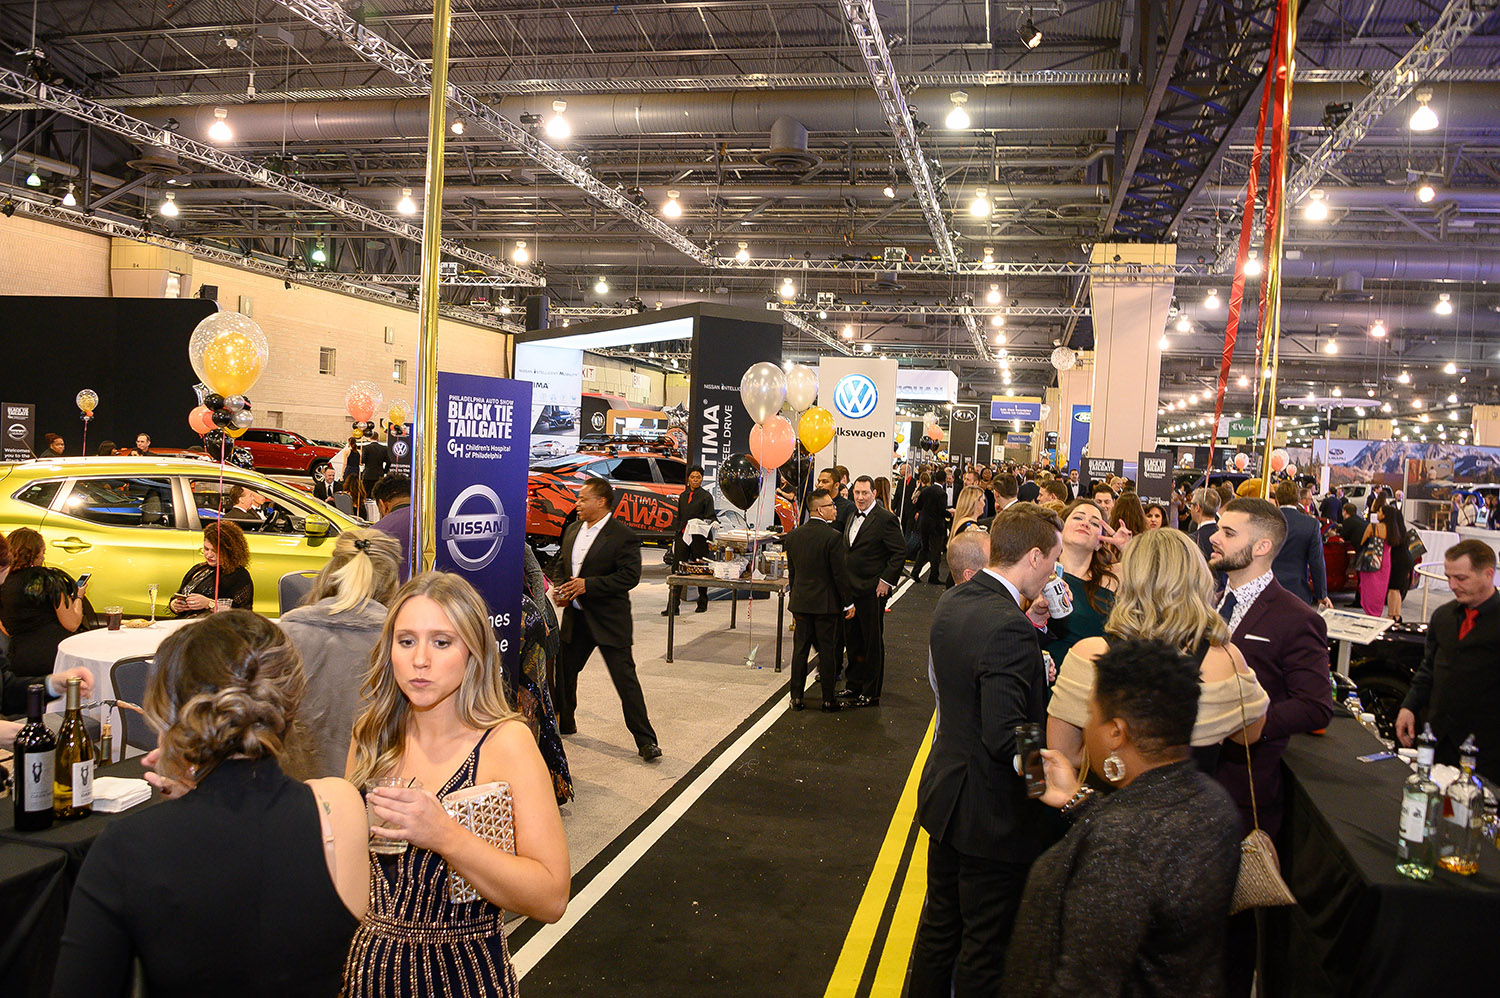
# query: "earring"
{"type": "Point", "coordinates": [1114, 768]}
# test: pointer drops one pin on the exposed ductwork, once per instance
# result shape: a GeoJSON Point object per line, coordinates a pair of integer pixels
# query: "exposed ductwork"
{"type": "Point", "coordinates": [788, 152]}
{"type": "Point", "coordinates": [1305, 315]}
{"type": "Point", "coordinates": [1395, 265]}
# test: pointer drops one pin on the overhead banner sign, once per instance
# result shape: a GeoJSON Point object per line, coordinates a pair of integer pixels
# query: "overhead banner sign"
{"type": "Point", "coordinates": [927, 386]}
{"type": "Point", "coordinates": [963, 431]}
{"type": "Point", "coordinates": [18, 434]}
{"type": "Point", "coordinates": [861, 394]}
{"type": "Point", "coordinates": [1097, 469]}
{"type": "Point", "coordinates": [1154, 476]}
{"type": "Point", "coordinates": [1078, 436]}
{"type": "Point", "coordinates": [1016, 408]}
{"type": "Point", "coordinates": [1243, 427]}
{"type": "Point", "coordinates": [1018, 440]}
{"type": "Point", "coordinates": [483, 443]}
{"type": "Point", "coordinates": [556, 376]}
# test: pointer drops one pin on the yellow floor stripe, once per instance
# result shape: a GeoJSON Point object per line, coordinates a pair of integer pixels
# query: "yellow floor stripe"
{"type": "Point", "coordinates": [890, 975]}
{"type": "Point", "coordinates": [861, 938]}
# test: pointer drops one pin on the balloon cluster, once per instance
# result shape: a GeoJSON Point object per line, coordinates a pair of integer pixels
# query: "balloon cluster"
{"type": "Point", "coordinates": [1241, 462]}
{"type": "Point", "coordinates": [229, 353]}
{"type": "Point", "coordinates": [397, 416]}
{"type": "Point", "coordinates": [360, 402]}
{"type": "Point", "coordinates": [931, 430]}
{"type": "Point", "coordinates": [1279, 460]}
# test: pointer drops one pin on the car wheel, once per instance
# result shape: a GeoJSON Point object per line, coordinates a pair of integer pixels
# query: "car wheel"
{"type": "Point", "coordinates": [1382, 694]}
{"type": "Point", "coordinates": [316, 468]}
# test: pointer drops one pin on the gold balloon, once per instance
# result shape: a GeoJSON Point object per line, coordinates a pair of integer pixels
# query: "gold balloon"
{"type": "Point", "coordinates": [231, 363]}
{"type": "Point", "coordinates": [815, 429]}
{"type": "Point", "coordinates": [235, 431]}
{"type": "Point", "coordinates": [87, 400]}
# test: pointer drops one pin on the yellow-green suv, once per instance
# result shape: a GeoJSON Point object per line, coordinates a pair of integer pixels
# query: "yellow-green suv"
{"type": "Point", "coordinates": [137, 521]}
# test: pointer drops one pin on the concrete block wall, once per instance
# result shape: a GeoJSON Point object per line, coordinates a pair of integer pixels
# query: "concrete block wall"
{"type": "Point", "coordinates": [37, 258]}
{"type": "Point", "coordinates": [615, 377]}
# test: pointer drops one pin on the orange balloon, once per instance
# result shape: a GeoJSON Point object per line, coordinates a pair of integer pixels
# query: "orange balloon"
{"type": "Point", "coordinates": [772, 442]}
{"type": "Point", "coordinates": [200, 420]}
{"type": "Point", "coordinates": [231, 364]}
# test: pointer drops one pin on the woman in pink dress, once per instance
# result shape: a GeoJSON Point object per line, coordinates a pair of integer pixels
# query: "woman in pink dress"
{"type": "Point", "coordinates": [1373, 585]}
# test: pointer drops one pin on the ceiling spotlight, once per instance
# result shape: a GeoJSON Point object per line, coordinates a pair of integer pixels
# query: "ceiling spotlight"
{"type": "Point", "coordinates": [1386, 407]}
{"type": "Point", "coordinates": [458, 126]}
{"type": "Point", "coordinates": [889, 191]}
{"type": "Point", "coordinates": [1031, 35]}
{"type": "Point", "coordinates": [1184, 326]}
{"type": "Point", "coordinates": [169, 206]}
{"type": "Point", "coordinates": [994, 296]}
{"type": "Point", "coordinates": [1404, 378]}
{"type": "Point", "coordinates": [980, 207]}
{"type": "Point", "coordinates": [69, 199]}
{"type": "Point", "coordinates": [1338, 392]}
{"type": "Point", "coordinates": [958, 117]}
{"type": "Point", "coordinates": [1359, 410]}
{"type": "Point", "coordinates": [822, 313]}
{"type": "Point", "coordinates": [1244, 381]}
{"type": "Point", "coordinates": [1212, 301]}
{"type": "Point", "coordinates": [1416, 403]}
{"type": "Point", "coordinates": [318, 254]}
{"type": "Point", "coordinates": [1252, 265]}
{"type": "Point", "coordinates": [743, 254]}
{"type": "Point", "coordinates": [989, 258]}
{"type": "Point", "coordinates": [788, 289]}
{"type": "Point", "coordinates": [1426, 193]}
{"type": "Point", "coordinates": [602, 287]}
{"type": "Point", "coordinates": [219, 131]}
{"type": "Point", "coordinates": [997, 320]}
{"type": "Point", "coordinates": [1424, 118]}
{"type": "Point", "coordinates": [1453, 398]}
{"type": "Point", "coordinates": [999, 339]}
{"type": "Point", "coordinates": [1161, 344]}
{"type": "Point", "coordinates": [1450, 368]}
{"type": "Point", "coordinates": [520, 254]}
{"type": "Point", "coordinates": [558, 128]}
{"type": "Point", "coordinates": [1378, 330]}
{"type": "Point", "coordinates": [1331, 347]}
{"type": "Point", "coordinates": [869, 347]}
{"type": "Point", "coordinates": [847, 332]}
{"type": "Point", "coordinates": [672, 209]}
{"type": "Point", "coordinates": [32, 180]}
{"type": "Point", "coordinates": [1444, 304]}
{"type": "Point", "coordinates": [406, 205]}
{"type": "Point", "coordinates": [1316, 209]}
{"type": "Point", "coordinates": [1370, 392]}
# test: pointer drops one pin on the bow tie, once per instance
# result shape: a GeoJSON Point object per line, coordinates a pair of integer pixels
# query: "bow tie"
{"type": "Point", "coordinates": [860, 516]}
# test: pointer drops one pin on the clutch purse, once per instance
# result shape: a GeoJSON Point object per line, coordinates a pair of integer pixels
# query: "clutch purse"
{"type": "Point", "coordinates": [1260, 884]}
{"type": "Point", "coordinates": [486, 811]}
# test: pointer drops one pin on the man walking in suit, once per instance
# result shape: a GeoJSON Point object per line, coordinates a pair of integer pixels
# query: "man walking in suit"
{"type": "Point", "coordinates": [875, 557]}
{"type": "Point", "coordinates": [1299, 565]}
{"type": "Point", "coordinates": [693, 504]}
{"type": "Point", "coordinates": [1458, 682]}
{"type": "Point", "coordinates": [984, 832]}
{"type": "Point", "coordinates": [819, 596]}
{"type": "Point", "coordinates": [600, 562]}
{"type": "Point", "coordinates": [932, 526]}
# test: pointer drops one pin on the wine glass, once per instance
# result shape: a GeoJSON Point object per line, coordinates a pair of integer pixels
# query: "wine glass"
{"type": "Point", "coordinates": [151, 592]}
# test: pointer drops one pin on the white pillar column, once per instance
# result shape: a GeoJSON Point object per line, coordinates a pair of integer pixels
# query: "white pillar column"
{"type": "Point", "coordinates": [1130, 314]}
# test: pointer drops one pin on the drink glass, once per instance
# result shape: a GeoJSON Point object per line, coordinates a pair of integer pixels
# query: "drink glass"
{"type": "Point", "coordinates": [378, 845]}
{"type": "Point", "coordinates": [224, 604]}
{"type": "Point", "coordinates": [151, 592]}
{"type": "Point", "coordinates": [112, 614]}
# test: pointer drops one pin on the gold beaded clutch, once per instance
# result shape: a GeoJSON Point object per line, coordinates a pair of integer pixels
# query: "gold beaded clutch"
{"type": "Point", "coordinates": [486, 811]}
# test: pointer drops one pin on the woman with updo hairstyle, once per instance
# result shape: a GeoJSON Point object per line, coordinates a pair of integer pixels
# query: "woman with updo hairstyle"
{"type": "Point", "coordinates": [437, 721]}
{"type": "Point", "coordinates": [335, 630]}
{"type": "Point", "coordinates": [242, 852]}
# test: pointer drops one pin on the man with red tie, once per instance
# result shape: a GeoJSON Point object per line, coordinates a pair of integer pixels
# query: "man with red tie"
{"type": "Point", "coordinates": [693, 504]}
{"type": "Point", "coordinates": [1458, 682]}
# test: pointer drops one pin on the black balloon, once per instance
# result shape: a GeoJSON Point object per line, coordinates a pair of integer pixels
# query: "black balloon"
{"type": "Point", "coordinates": [739, 480]}
{"type": "Point", "coordinates": [213, 400]}
{"type": "Point", "coordinates": [223, 418]}
{"type": "Point", "coordinates": [215, 440]}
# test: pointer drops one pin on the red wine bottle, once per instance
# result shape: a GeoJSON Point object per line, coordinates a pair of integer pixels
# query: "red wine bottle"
{"type": "Point", "coordinates": [34, 761]}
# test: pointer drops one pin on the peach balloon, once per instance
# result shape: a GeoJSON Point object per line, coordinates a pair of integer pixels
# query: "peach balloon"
{"type": "Point", "coordinates": [772, 442]}
{"type": "Point", "coordinates": [200, 420]}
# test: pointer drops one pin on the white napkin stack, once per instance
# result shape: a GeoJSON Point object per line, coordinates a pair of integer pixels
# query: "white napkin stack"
{"type": "Point", "coordinates": [115, 793]}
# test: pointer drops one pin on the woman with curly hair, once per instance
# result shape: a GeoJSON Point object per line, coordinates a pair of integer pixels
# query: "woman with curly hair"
{"type": "Point", "coordinates": [222, 574]}
{"type": "Point", "coordinates": [242, 849]}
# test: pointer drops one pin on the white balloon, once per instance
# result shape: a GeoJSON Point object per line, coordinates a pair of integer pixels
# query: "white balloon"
{"type": "Point", "coordinates": [1046, 411]}
{"type": "Point", "coordinates": [801, 386]}
{"type": "Point", "coordinates": [763, 389]}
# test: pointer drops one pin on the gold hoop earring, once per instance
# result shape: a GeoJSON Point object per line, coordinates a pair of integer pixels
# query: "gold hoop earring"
{"type": "Point", "coordinates": [1114, 768]}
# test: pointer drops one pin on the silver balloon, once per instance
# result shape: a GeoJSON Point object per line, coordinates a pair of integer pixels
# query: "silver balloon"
{"type": "Point", "coordinates": [801, 386]}
{"type": "Point", "coordinates": [235, 403]}
{"type": "Point", "coordinates": [244, 419]}
{"type": "Point", "coordinates": [763, 389]}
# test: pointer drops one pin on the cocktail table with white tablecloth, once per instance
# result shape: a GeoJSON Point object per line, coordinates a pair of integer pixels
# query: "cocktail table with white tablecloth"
{"type": "Point", "coordinates": [97, 650]}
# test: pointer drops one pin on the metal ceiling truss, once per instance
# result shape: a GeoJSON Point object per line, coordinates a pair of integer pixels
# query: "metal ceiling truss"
{"type": "Point", "coordinates": [975, 268]}
{"type": "Point", "coordinates": [821, 335]}
{"type": "Point", "coordinates": [329, 17]}
{"type": "Point", "coordinates": [1213, 79]}
{"type": "Point", "coordinates": [975, 312]}
{"type": "Point", "coordinates": [140, 132]}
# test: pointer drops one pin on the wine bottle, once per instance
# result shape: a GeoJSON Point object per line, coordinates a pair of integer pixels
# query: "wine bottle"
{"type": "Point", "coordinates": [73, 771]}
{"type": "Point", "coordinates": [33, 764]}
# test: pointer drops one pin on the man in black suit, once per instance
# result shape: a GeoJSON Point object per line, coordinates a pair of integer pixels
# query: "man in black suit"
{"type": "Point", "coordinates": [1351, 525]}
{"type": "Point", "coordinates": [1332, 505]}
{"type": "Point", "coordinates": [819, 596]}
{"type": "Point", "coordinates": [374, 462]}
{"type": "Point", "coordinates": [327, 485]}
{"type": "Point", "coordinates": [1203, 509]}
{"type": "Point", "coordinates": [598, 565]}
{"type": "Point", "coordinates": [1029, 490]}
{"type": "Point", "coordinates": [984, 832]}
{"type": "Point", "coordinates": [1299, 565]}
{"type": "Point", "coordinates": [828, 481]}
{"type": "Point", "coordinates": [932, 525]}
{"type": "Point", "coordinates": [1457, 685]}
{"type": "Point", "coordinates": [694, 503]}
{"type": "Point", "coordinates": [874, 561]}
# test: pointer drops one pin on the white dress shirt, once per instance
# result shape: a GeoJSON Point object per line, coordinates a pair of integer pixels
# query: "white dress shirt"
{"type": "Point", "coordinates": [581, 544]}
{"type": "Point", "coordinates": [857, 520]}
{"type": "Point", "coordinates": [1015, 593]}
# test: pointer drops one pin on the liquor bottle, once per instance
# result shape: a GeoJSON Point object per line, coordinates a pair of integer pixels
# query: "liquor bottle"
{"type": "Point", "coordinates": [73, 773]}
{"type": "Point", "coordinates": [33, 764]}
{"type": "Point", "coordinates": [1462, 827]}
{"type": "Point", "coordinates": [1421, 804]}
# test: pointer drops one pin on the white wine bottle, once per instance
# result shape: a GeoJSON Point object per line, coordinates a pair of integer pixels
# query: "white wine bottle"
{"type": "Point", "coordinates": [73, 771]}
{"type": "Point", "coordinates": [34, 759]}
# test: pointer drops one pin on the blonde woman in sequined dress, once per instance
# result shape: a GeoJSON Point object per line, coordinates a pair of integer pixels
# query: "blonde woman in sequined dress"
{"type": "Point", "coordinates": [436, 715]}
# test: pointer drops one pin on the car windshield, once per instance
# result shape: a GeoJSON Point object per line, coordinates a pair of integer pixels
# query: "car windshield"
{"type": "Point", "coordinates": [553, 463]}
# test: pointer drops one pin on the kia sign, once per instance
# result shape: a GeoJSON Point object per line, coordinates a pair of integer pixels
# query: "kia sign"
{"type": "Point", "coordinates": [1004, 409]}
{"type": "Point", "coordinates": [963, 431]}
{"type": "Point", "coordinates": [855, 396]}
{"type": "Point", "coordinates": [19, 430]}
{"type": "Point", "coordinates": [483, 449]}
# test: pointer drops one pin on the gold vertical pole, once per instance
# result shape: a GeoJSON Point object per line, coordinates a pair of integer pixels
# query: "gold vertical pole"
{"type": "Point", "coordinates": [424, 454]}
{"type": "Point", "coordinates": [1272, 317]}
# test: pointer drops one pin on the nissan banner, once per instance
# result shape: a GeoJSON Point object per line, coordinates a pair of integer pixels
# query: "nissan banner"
{"type": "Point", "coordinates": [18, 436]}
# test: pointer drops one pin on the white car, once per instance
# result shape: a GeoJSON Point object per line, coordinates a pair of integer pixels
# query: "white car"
{"type": "Point", "coordinates": [548, 448]}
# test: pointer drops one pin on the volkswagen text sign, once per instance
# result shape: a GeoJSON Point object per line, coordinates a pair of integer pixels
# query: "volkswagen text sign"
{"type": "Point", "coordinates": [862, 394]}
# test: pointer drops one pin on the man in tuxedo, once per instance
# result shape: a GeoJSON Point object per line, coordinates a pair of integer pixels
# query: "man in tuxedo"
{"type": "Point", "coordinates": [932, 525]}
{"type": "Point", "coordinates": [1203, 508]}
{"type": "Point", "coordinates": [374, 462]}
{"type": "Point", "coordinates": [1332, 505]}
{"type": "Point", "coordinates": [326, 485]}
{"type": "Point", "coordinates": [598, 565]}
{"type": "Point", "coordinates": [984, 832]}
{"type": "Point", "coordinates": [1299, 565]}
{"type": "Point", "coordinates": [819, 596]}
{"type": "Point", "coordinates": [1457, 685]}
{"type": "Point", "coordinates": [874, 561]}
{"type": "Point", "coordinates": [1029, 490]}
{"type": "Point", "coordinates": [694, 503]}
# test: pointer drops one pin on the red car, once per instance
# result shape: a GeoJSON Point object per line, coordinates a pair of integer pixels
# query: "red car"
{"type": "Point", "coordinates": [283, 450]}
{"type": "Point", "coordinates": [646, 484]}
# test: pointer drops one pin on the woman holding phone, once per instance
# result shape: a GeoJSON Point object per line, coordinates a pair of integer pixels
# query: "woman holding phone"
{"type": "Point", "coordinates": [222, 574]}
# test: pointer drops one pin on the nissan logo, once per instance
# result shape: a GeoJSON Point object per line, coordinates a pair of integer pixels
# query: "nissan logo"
{"type": "Point", "coordinates": [855, 396]}
{"type": "Point", "coordinates": [482, 529]}
{"type": "Point", "coordinates": [965, 415]}
{"type": "Point", "coordinates": [16, 431]}
{"type": "Point", "coordinates": [597, 421]}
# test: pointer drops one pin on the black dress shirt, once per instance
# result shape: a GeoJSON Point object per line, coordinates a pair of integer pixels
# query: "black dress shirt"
{"type": "Point", "coordinates": [1458, 683]}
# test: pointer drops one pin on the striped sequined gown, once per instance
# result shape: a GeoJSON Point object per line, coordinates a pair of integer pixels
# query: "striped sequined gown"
{"type": "Point", "coordinates": [414, 941]}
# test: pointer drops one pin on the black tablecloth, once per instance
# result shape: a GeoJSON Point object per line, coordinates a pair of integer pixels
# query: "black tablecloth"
{"type": "Point", "coordinates": [1360, 927]}
{"type": "Point", "coordinates": [33, 901]}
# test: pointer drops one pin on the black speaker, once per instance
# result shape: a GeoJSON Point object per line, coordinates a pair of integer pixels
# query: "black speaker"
{"type": "Point", "coordinates": [208, 292]}
{"type": "Point", "coordinates": [536, 312]}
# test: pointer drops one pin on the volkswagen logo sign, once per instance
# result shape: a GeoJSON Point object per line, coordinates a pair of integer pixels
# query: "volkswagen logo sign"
{"type": "Point", "coordinates": [400, 448]}
{"type": "Point", "coordinates": [855, 396]}
{"type": "Point", "coordinates": [596, 420]}
{"type": "Point", "coordinates": [473, 536]}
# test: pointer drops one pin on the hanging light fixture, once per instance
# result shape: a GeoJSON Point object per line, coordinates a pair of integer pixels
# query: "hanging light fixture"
{"type": "Point", "coordinates": [1212, 301]}
{"type": "Point", "coordinates": [1378, 330]}
{"type": "Point", "coordinates": [997, 320]}
{"type": "Point", "coordinates": [743, 253]}
{"type": "Point", "coordinates": [1161, 344]}
{"type": "Point", "coordinates": [1338, 392]}
{"type": "Point", "coordinates": [1404, 378]}
{"type": "Point", "coordinates": [957, 118]}
{"type": "Point", "coordinates": [889, 191]}
{"type": "Point", "coordinates": [847, 332]}
{"type": "Point", "coordinates": [869, 347]}
{"type": "Point", "coordinates": [33, 180]}
{"type": "Point", "coordinates": [558, 128]}
{"type": "Point", "coordinates": [1316, 209]}
{"type": "Point", "coordinates": [318, 254]}
{"type": "Point", "coordinates": [671, 209]}
{"type": "Point", "coordinates": [1252, 265]}
{"type": "Point", "coordinates": [1450, 368]}
{"type": "Point", "coordinates": [602, 287]}
{"type": "Point", "coordinates": [1244, 381]}
{"type": "Point", "coordinates": [989, 258]}
{"type": "Point", "coordinates": [1453, 398]}
{"type": "Point", "coordinates": [1426, 193]}
{"type": "Point", "coordinates": [1183, 325]}
{"type": "Point", "coordinates": [1444, 304]}
{"type": "Point", "coordinates": [1424, 118]}
{"type": "Point", "coordinates": [994, 296]}
{"type": "Point", "coordinates": [458, 126]}
{"type": "Point", "coordinates": [1031, 35]}
{"type": "Point", "coordinates": [980, 207]}
{"type": "Point", "coordinates": [168, 207]}
{"type": "Point", "coordinates": [220, 131]}
{"type": "Point", "coordinates": [999, 339]}
{"type": "Point", "coordinates": [1331, 347]}
{"type": "Point", "coordinates": [69, 199]}
{"type": "Point", "coordinates": [520, 255]}
{"type": "Point", "coordinates": [406, 205]}
{"type": "Point", "coordinates": [788, 289]}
